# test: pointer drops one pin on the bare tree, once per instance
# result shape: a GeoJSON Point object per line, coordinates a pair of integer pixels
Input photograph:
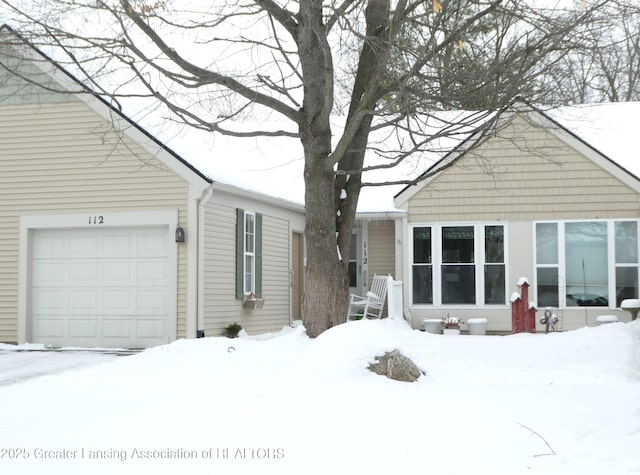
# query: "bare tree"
{"type": "Point", "coordinates": [355, 79]}
{"type": "Point", "coordinates": [604, 65]}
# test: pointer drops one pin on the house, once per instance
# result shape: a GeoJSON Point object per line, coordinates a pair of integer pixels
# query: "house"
{"type": "Point", "coordinates": [553, 196]}
{"type": "Point", "coordinates": [108, 238]}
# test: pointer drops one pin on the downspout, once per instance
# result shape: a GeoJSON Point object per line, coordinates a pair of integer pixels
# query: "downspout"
{"type": "Point", "coordinates": [402, 263]}
{"type": "Point", "coordinates": [200, 202]}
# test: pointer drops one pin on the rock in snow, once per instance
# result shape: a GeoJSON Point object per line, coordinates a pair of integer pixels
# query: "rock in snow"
{"type": "Point", "coordinates": [394, 365]}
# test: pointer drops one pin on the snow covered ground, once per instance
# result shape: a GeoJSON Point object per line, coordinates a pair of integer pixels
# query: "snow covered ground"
{"type": "Point", "coordinates": [17, 366]}
{"type": "Point", "coordinates": [565, 403]}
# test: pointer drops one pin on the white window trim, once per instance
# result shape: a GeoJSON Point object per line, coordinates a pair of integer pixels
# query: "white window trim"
{"type": "Point", "coordinates": [562, 271]}
{"type": "Point", "coordinates": [246, 253]}
{"type": "Point", "coordinates": [436, 263]}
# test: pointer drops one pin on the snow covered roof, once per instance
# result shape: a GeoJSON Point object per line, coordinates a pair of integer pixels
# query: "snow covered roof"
{"type": "Point", "coordinates": [606, 128]}
{"type": "Point", "coordinates": [610, 128]}
{"type": "Point", "coordinates": [274, 166]}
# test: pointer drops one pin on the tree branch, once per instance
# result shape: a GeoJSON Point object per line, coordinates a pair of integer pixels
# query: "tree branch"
{"type": "Point", "coordinates": [204, 76]}
{"type": "Point", "coordinates": [282, 15]}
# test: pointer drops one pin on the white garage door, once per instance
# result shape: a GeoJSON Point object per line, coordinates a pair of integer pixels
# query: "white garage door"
{"type": "Point", "coordinates": [105, 287]}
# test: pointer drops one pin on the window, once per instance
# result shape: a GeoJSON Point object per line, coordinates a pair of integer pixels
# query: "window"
{"type": "Point", "coordinates": [248, 254]}
{"type": "Point", "coordinates": [465, 263]}
{"type": "Point", "coordinates": [422, 266]}
{"type": "Point", "coordinates": [626, 252]}
{"type": "Point", "coordinates": [586, 263]}
{"type": "Point", "coordinates": [494, 267]}
{"type": "Point", "coordinates": [587, 276]}
{"type": "Point", "coordinates": [547, 264]}
{"type": "Point", "coordinates": [458, 267]}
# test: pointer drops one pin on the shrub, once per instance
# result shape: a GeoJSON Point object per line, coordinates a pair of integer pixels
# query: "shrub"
{"type": "Point", "coordinates": [232, 330]}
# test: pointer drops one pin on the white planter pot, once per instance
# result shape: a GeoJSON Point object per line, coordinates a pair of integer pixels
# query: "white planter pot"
{"type": "Point", "coordinates": [432, 325]}
{"type": "Point", "coordinates": [477, 326]}
{"type": "Point", "coordinates": [450, 331]}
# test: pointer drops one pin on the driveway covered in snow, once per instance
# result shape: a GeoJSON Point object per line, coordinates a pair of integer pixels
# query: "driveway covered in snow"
{"type": "Point", "coordinates": [20, 363]}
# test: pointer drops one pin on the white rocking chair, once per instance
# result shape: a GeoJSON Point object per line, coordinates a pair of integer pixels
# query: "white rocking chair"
{"type": "Point", "coordinates": [371, 305]}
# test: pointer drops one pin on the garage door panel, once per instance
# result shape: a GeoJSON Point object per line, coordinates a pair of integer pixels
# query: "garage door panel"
{"type": "Point", "coordinates": [151, 329]}
{"type": "Point", "coordinates": [150, 244]}
{"type": "Point", "coordinates": [117, 244]}
{"type": "Point", "coordinates": [48, 272]}
{"type": "Point", "coordinates": [119, 271]}
{"type": "Point", "coordinates": [118, 301]}
{"type": "Point", "coordinates": [100, 287]}
{"type": "Point", "coordinates": [83, 301]}
{"type": "Point", "coordinates": [117, 328]}
{"type": "Point", "coordinates": [49, 328]}
{"type": "Point", "coordinates": [151, 272]}
{"type": "Point", "coordinates": [151, 302]}
{"type": "Point", "coordinates": [83, 328]}
{"type": "Point", "coordinates": [84, 272]}
{"type": "Point", "coordinates": [51, 245]}
{"type": "Point", "coordinates": [49, 302]}
{"type": "Point", "coordinates": [83, 245]}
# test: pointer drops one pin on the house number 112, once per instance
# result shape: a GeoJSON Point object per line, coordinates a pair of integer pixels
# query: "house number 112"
{"type": "Point", "coordinates": [96, 220]}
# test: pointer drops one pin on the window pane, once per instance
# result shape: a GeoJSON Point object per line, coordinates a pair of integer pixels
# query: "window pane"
{"type": "Point", "coordinates": [353, 261]}
{"type": "Point", "coordinates": [494, 292]}
{"type": "Point", "coordinates": [458, 284]}
{"type": "Point", "coordinates": [626, 242]}
{"type": "Point", "coordinates": [457, 244]}
{"type": "Point", "coordinates": [587, 264]}
{"type": "Point", "coordinates": [353, 275]}
{"type": "Point", "coordinates": [249, 223]}
{"type": "Point", "coordinates": [248, 274]}
{"type": "Point", "coordinates": [494, 244]}
{"type": "Point", "coordinates": [422, 245]}
{"type": "Point", "coordinates": [249, 233]}
{"type": "Point", "coordinates": [248, 243]}
{"type": "Point", "coordinates": [353, 246]}
{"type": "Point", "coordinates": [422, 284]}
{"type": "Point", "coordinates": [626, 284]}
{"type": "Point", "coordinates": [548, 287]}
{"type": "Point", "coordinates": [547, 243]}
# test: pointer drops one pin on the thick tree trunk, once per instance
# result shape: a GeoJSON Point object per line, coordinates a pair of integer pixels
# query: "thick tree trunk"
{"type": "Point", "coordinates": [326, 279]}
{"type": "Point", "coordinates": [326, 276]}
{"type": "Point", "coordinates": [329, 215]}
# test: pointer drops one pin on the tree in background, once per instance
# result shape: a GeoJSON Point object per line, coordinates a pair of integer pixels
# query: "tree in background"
{"type": "Point", "coordinates": [356, 82]}
{"type": "Point", "coordinates": [604, 64]}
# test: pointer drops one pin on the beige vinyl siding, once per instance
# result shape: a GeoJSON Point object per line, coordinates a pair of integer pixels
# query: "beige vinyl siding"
{"type": "Point", "coordinates": [64, 158]}
{"type": "Point", "coordinates": [382, 248]}
{"type": "Point", "coordinates": [381, 251]}
{"type": "Point", "coordinates": [42, 88]}
{"type": "Point", "coordinates": [221, 308]}
{"type": "Point", "coordinates": [524, 172]}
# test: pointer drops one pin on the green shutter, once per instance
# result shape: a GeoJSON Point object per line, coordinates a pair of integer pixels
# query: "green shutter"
{"type": "Point", "coordinates": [258, 255]}
{"type": "Point", "coordinates": [239, 253]}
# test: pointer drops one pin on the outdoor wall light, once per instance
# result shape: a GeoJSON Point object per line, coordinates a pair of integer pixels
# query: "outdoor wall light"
{"type": "Point", "coordinates": [180, 235]}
